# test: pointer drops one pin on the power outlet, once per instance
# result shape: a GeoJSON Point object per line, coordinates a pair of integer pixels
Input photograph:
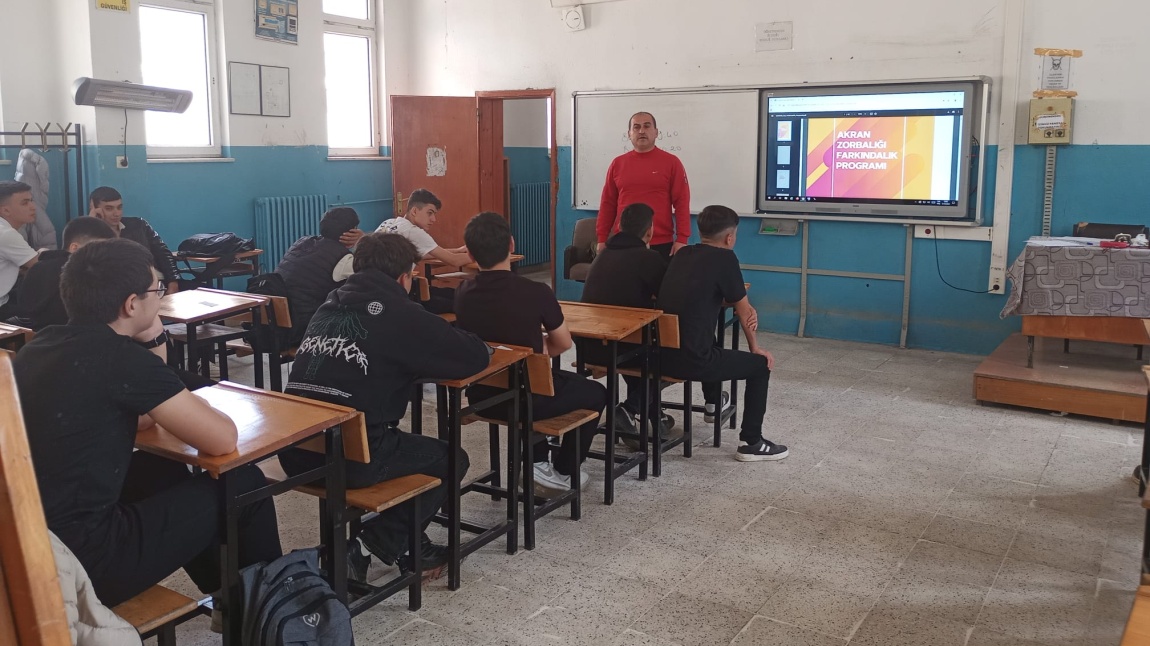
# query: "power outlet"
{"type": "Point", "coordinates": [121, 161]}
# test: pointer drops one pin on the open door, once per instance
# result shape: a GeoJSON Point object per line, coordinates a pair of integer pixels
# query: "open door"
{"type": "Point", "coordinates": [435, 145]}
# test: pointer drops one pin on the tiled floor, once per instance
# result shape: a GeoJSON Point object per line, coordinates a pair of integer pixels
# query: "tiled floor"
{"type": "Point", "coordinates": [906, 514]}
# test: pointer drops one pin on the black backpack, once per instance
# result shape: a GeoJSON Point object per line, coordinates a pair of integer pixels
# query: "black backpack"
{"type": "Point", "coordinates": [288, 603]}
{"type": "Point", "coordinates": [214, 244]}
{"type": "Point", "coordinates": [267, 338]}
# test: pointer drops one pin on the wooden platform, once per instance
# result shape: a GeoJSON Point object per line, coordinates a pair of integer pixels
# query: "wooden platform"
{"type": "Point", "coordinates": [1095, 379]}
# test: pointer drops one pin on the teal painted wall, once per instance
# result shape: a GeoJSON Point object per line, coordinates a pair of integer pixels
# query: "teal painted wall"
{"type": "Point", "coordinates": [1099, 183]}
{"type": "Point", "coordinates": [527, 165]}
{"type": "Point", "coordinates": [181, 199]}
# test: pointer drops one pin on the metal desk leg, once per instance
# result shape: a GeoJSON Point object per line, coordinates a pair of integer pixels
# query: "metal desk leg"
{"type": "Point", "coordinates": [335, 480]}
{"type": "Point", "coordinates": [518, 377]}
{"type": "Point", "coordinates": [1030, 352]}
{"type": "Point", "coordinates": [229, 562]}
{"type": "Point", "coordinates": [612, 402]}
{"type": "Point", "coordinates": [454, 508]}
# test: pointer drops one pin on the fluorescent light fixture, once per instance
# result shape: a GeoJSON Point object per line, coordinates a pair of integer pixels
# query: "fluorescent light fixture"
{"type": "Point", "coordinates": [117, 94]}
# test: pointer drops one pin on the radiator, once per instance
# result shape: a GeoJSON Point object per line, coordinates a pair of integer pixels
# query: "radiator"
{"type": "Point", "coordinates": [280, 221]}
{"type": "Point", "coordinates": [531, 221]}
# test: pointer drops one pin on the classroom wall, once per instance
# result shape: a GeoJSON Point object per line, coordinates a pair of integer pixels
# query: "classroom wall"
{"type": "Point", "coordinates": [460, 46]}
{"type": "Point", "coordinates": [265, 156]}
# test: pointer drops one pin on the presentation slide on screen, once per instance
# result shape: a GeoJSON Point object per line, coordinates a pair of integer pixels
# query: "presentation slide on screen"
{"type": "Point", "coordinates": [872, 148]}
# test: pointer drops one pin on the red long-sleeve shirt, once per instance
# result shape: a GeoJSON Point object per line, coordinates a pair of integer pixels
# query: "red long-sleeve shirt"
{"type": "Point", "coordinates": [655, 178]}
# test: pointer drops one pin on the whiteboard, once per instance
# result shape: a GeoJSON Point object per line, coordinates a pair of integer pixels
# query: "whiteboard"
{"type": "Point", "coordinates": [714, 133]}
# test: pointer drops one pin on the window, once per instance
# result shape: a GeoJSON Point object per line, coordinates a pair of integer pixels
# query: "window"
{"type": "Point", "coordinates": [349, 50]}
{"type": "Point", "coordinates": [177, 50]}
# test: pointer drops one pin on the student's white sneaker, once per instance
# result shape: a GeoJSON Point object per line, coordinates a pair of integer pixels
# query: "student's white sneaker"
{"type": "Point", "coordinates": [549, 482]}
{"type": "Point", "coordinates": [727, 408]}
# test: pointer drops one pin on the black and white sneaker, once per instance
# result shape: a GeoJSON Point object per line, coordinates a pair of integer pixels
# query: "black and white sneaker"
{"type": "Point", "coordinates": [728, 408]}
{"type": "Point", "coordinates": [760, 451]}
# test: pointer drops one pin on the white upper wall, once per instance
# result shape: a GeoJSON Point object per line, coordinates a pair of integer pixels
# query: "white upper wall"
{"type": "Point", "coordinates": [525, 123]}
{"type": "Point", "coordinates": [460, 46]}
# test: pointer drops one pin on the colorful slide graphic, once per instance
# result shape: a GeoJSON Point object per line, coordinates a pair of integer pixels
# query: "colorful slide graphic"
{"type": "Point", "coordinates": [888, 158]}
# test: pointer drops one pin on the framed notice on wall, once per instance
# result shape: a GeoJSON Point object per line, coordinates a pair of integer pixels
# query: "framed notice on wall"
{"type": "Point", "coordinates": [259, 90]}
{"type": "Point", "coordinates": [278, 20]}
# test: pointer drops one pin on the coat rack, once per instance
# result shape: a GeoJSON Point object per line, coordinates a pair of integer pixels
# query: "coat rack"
{"type": "Point", "coordinates": [49, 137]}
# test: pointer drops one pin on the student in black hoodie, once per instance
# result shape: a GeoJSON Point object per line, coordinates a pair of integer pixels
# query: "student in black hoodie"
{"type": "Point", "coordinates": [40, 301]}
{"type": "Point", "coordinates": [309, 268]}
{"type": "Point", "coordinates": [627, 273]}
{"type": "Point", "coordinates": [366, 347]}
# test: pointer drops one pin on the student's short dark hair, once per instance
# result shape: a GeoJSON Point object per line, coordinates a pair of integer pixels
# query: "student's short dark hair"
{"type": "Point", "coordinates": [390, 253]}
{"type": "Point", "coordinates": [338, 221]}
{"type": "Point", "coordinates": [653, 122]}
{"type": "Point", "coordinates": [104, 194]}
{"type": "Point", "coordinates": [421, 197]}
{"type": "Point", "coordinates": [10, 188]}
{"type": "Point", "coordinates": [636, 219]}
{"type": "Point", "coordinates": [488, 238]}
{"type": "Point", "coordinates": [715, 220]}
{"type": "Point", "coordinates": [100, 276]}
{"type": "Point", "coordinates": [85, 229]}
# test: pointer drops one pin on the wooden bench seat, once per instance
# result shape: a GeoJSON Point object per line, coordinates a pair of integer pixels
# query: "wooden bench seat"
{"type": "Point", "coordinates": [381, 496]}
{"type": "Point", "coordinates": [554, 426]}
{"type": "Point", "coordinates": [155, 608]}
{"type": "Point", "coordinates": [204, 333]}
{"type": "Point", "coordinates": [241, 349]}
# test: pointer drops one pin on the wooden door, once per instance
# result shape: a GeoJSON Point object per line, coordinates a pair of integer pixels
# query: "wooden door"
{"type": "Point", "coordinates": [492, 176]}
{"type": "Point", "coordinates": [435, 145]}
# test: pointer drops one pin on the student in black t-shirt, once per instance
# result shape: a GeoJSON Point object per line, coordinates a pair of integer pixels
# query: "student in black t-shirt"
{"type": "Point", "coordinates": [366, 347]}
{"type": "Point", "coordinates": [699, 280]}
{"type": "Point", "coordinates": [627, 273]}
{"type": "Point", "coordinates": [85, 388]}
{"type": "Point", "coordinates": [502, 307]}
{"type": "Point", "coordinates": [40, 301]}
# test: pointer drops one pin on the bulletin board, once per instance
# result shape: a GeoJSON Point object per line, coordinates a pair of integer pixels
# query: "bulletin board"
{"type": "Point", "coordinates": [259, 90]}
{"type": "Point", "coordinates": [278, 20]}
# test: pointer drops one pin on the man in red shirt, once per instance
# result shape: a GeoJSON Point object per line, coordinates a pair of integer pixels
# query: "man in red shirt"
{"type": "Point", "coordinates": [654, 177]}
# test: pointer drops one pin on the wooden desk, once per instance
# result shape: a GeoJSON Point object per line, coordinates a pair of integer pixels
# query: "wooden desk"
{"type": "Point", "coordinates": [13, 337]}
{"type": "Point", "coordinates": [237, 268]}
{"type": "Point", "coordinates": [268, 422]}
{"type": "Point", "coordinates": [431, 264]}
{"type": "Point", "coordinates": [611, 324]}
{"type": "Point", "coordinates": [1138, 626]}
{"type": "Point", "coordinates": [1106, 329]}
{"type": "Point", "coordinates": [451, 413]}
{"type": "Point", "coordinates": [198, 306]}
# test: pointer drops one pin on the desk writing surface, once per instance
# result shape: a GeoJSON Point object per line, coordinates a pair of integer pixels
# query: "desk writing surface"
{"type": "Point", "coordinates": [195, 306]}
{"type": "Point", "coordinates": [267, 422]}
{"type": "Point", "coordinates": [1138, 625]}
{"type": "Point", "coordinates": [8, 331]}
{"type": "Point", "coordinates": [605, 322]}
{"type": "Point", "coordinates": [435, 262]}
{"type": "Point", "coordinates": [243, 255]}
{"type": "Point", "coordinates": [504, 356]}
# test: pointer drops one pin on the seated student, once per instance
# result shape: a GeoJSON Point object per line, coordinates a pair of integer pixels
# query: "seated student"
{"type": "Point", "coordinates": [699, 280]}
{"type": "Point", "coordinates": [627, 273]}
{"type": "Point", "coordinates": [422, 207]}
{"type": "Point", "coordinates": [40, 302]}
{"type": "Point", "coordinates": [131, 518]}
{"type": "Point", "coordinates": [16, 210]}
{"type": "Point", "coordinates": [309, 266]}
{"type": "Point", "coordinates": [502, 307]}
{"type": "Point", "coordinates": [106, 203]}
{"type": "Point", "coordinates": [366, 347]}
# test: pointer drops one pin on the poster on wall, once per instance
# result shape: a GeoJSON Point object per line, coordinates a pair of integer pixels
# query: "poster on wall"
{"type": "Point", "coordinates": [277, 20]}
{"type": "Point", "coordinates": [115, 5]}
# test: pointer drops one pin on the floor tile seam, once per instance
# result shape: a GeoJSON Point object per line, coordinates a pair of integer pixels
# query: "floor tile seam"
{"type": "Point", "coordinates": [784, 623]}
{"type": "Point", "coordinates": [1001, 565]}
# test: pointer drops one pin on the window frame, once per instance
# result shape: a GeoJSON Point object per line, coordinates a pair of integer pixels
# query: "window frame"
{"type": "Point", "coordinates": [342, 25]}
{"type": "Point", "coordinates": [208, 9]}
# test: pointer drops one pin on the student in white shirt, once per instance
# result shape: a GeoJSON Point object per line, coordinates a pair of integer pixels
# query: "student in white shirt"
{"type": "Point", "coordinates": [16, 210]}
{"type": "Point", "coordinates": [422, 207]}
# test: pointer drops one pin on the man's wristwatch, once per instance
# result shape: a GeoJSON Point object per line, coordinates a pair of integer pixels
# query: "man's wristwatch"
{"type": "Point", "coordinates": [156, 342]}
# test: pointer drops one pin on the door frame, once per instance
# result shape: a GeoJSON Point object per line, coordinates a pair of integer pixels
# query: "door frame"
{"type": "Point", "coordinates": [544, 93]}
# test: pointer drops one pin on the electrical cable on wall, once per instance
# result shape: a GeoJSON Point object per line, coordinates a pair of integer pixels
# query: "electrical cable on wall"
{"type": "Point", "coordinates": [938, 266]}
{"type": "Point", "coordinates": [125, 133]}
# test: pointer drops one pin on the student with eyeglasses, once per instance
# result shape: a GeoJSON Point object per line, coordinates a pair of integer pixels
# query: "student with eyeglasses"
{"type": "Point", "coordinates": [131, 518]}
